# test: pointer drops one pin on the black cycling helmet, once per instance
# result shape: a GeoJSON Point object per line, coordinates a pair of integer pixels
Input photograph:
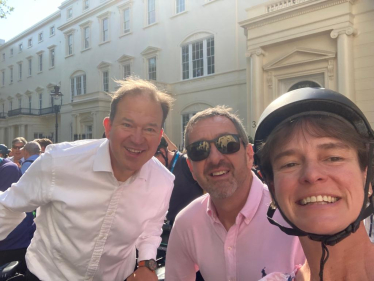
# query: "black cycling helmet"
{"type": "Point", "coordinates": [315, 101]}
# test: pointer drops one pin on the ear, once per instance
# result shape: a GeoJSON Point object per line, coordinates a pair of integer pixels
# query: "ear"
{"type": "Point", "coordinates": [190, 167]}
{"type": "Point", "coordinates": [249, 152]}
{"type": "Point", "coordinates": [107, 126]}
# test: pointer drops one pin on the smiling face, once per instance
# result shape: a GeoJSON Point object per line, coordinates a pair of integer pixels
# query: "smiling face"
{"type": "Point", "coordinates": [17, 150]}
{"type": "Point", "coordinates": [221, 175]}
{"type": "Point", "coordinates": [134, 134]}
{"type": "Point", "coordinates": [318, 182]}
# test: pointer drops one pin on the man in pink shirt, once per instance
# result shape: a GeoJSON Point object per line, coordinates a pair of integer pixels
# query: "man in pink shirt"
{"type": "Point", "coordinates": [225, 233]}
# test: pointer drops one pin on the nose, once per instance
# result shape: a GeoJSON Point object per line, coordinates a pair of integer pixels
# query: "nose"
{"type": "Point", "coordinates": [137, 136]}
{"type": "Point", "coordinates": [312, 173]}
{"type": "Point", "coordinates": [214, 155]}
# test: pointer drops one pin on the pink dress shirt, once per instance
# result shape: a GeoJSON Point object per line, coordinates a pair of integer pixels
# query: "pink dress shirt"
{"type": "Point", "coordinates": [88, 224]}
{"type": "Point", "coordinates": [199, 241]}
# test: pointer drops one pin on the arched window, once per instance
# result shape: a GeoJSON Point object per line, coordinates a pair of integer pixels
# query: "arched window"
{"type": "Point", "coordinates": [78, 83]}
{"type": "Point", "coordinates": [304, 84]}
{"type": "Point", "coordinates": [198, 56]}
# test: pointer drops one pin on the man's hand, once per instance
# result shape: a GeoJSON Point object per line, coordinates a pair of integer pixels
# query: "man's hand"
{"type": "Point", "coordinates": [142, 274]}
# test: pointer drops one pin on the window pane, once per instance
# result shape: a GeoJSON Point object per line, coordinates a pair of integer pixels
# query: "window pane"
{"type": "Point", "coordinates": [105, 29]}
{"type": "Point", "coordinates": [197, 59]}
{"type": "Point", "coordinates": [126, 70]}
{"type": "Point", "coordinates": [151, 11]}
{"type": "Point", "coordinates": [186, 62]}
{"type": "Point", "coordinates": [86, 37]}
{"type": "Point", "coordinates": [84, 84]}
{"type": "Point", "coordinates": [152, 69]}
{"type": "Point", "coordinates": [106, 81]}
{"type": "Point", "coordinates": [210, 55]}
{"type": "Point", "coordinates": [79, 85]}
{"type": "Point", "coordinates": [126, 23]}
{"type": "Point", "coordinates": [72, 86]}
{"type": "Point", "coordinates": [180, 6]}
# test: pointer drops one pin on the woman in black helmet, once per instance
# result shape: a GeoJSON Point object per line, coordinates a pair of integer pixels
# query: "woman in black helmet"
{"type": "Point", "coordinates": [314, 147]}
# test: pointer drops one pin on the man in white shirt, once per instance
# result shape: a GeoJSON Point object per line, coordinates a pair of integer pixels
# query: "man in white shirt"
{"type": "Point", "coordinates": [99, 200]}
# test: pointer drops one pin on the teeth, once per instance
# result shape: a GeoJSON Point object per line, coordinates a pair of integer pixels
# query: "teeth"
{"type": "Point", "coordinates": [324, 199]}
{"type": "Point", "coordinates": [219, 173]}
{"type": "Point", "coordinates": [134, 150]}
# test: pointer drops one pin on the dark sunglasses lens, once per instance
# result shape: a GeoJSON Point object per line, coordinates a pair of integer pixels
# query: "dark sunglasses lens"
{"type": "Point", "coordinates": [198, 151]}
{"type": "Point", "coordinates": [228, 144]}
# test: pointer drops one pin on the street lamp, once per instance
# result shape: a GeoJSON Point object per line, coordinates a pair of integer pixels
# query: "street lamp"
{"type": "Point", "coordinates": [56, 94]}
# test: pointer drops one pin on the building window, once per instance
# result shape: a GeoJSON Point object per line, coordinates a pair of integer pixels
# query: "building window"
{"type": "Point", "coordinates": [40, 100]}
{"type": "Point", "coordinates": [180, 6]}
{"type": "Point", "coordinates": [88, 132]}
{"type": "Point", "coordinates": [29, 67]}
{"type": "Point", "coordinates": [29, 42]}
{"type": "Point", "coordinates": [152, 68]}
{"type": "Point", "coordinates": [3, 78]}
{"type": "Point", "coordinates": [11, 75]}
{"type": "Point", "coordinates": [151, 11]}
{"type": "Point", "coordinates": [40, 37]}
{"type": "Point", "coordinates": [30, 103]}
{"type": "Point", "coordinates": [52, 58]}
{"type": "Point", "coordinates": [3, 56]}
{"type": "Point", "coordinates": [105, 29]}
{"type": "Point", "coordinates": [106, 81]}
{"type": "Point", "coordinates": [40, 56]}
{"type": "Point", "coordinates": [198, 59]}
{"type": "Point", "coordinates": [86, 4]}
{"type": "Point", "coordinates": [11, 52]}
{"type": "Point", "coordinates": [86, 37]}
{"type": "Point", "coordinates": [11, 105]}
{"type": "Point", "coordinates": [70, 44]}
{"type": "Point", "coordinates": [52, 31]}
{"type": "Point", "coordinates": [126, 20]}
{"type": "Point", "coordinates": [126, 70]}
{"type": "Point", "coordinates": [20, 71]}
{"type": "Point", "coordinates": [70, 13]}
{"type": "Point", "coordinates": [185, 118]}
{"type": "Point", "coordinates": [19, 103]}
{"type": "Point", "coordinates": [20, 47]}
{"type": "Point", "coordinates": [78, 85]}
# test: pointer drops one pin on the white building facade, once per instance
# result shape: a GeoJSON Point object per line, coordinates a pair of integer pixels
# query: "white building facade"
{"type": "Point", "coordinates": [237, 53]}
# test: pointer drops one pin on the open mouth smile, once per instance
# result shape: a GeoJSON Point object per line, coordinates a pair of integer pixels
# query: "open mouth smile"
{"type": "Point", "coordinates": [134, 150]}
{"type": "Point", "coordinates": [219, 173]}
{"type": "Point", "coordinates": [319, 199]}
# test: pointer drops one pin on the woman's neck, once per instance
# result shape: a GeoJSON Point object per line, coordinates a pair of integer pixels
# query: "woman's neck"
{"type": "Point", "coordinates": [349, 260]}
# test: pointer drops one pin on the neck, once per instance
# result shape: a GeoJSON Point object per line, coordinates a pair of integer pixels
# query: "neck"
{"type": "Point", "coordinates": [228, 208]}
{"type": "Point", "coordinates": [169, 155]}
{"type": "Point", "coordinates": [349, 260]}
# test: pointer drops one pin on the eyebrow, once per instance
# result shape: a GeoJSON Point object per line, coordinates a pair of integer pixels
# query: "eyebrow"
{"type": "Point", "coordinates": [132, 121]}
{"type": "Point", "coordinates": [324, 146]}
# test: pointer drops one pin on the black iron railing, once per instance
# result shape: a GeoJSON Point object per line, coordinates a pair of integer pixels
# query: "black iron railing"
{"type": "Point", "coordinates": [30, 111]}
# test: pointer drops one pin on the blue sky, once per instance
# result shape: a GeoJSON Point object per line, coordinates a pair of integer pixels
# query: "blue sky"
{"type": "Point", "coordinates": [26, 13]}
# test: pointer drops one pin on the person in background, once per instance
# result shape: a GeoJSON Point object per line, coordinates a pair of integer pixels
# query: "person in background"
{"type": "Point", "coordinates": [43, 143]}
{"type": "Point", "coordinates": [225, 233]}
{"type": "Point", "coordinates": [186, 189]}
{"type": "Point", "coordinates": [31, 152]}
{"type": "Point", "coordinates": [14, 246]}
{"type": "Point", "coordinates": [17, 155]}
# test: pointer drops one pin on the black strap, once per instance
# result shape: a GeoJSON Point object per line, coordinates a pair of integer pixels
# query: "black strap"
{"type": "Point", "coordinates": [30, 161]}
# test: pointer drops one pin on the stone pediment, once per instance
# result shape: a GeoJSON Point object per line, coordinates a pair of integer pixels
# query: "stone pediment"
{"type": "Point", "coordinates": [150, 50]}
{"type": "Point", "coordinates": [18, 95]}
{"type": "Point", "coordinates": [104, 64]}
{"type": "Point", "coordinates": [28, 93]}
{"type": "Point", "coordinates": [39, 89]}
{"type": "Point", "coordinates": [299, 55]}
{"type": "Point", "coordinates": [125, 58]}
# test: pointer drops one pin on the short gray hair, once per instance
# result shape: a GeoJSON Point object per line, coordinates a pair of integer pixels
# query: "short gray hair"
{"type": "Point", "coordinates": [32, 148]}
{"type": "Point", "coordinates": [219, 110]}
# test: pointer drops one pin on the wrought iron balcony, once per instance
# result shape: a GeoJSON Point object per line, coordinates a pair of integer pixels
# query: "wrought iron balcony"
{"type": "Point", "coordinates": [2, 115]}
{"type": "Point", "coordinates": [31, 111]}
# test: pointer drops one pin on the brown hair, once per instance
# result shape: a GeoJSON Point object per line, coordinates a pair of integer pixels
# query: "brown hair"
{"type": "Point", "coordinates": [134, 86]}
{"type": "Point", "coordinates": [219, 110]}
{"type": "Point", "coordinates": [43, 142]}
{"type": "Point", "coordinates": [316, 126]}
{"type": "Point", "coordinates": [19, 139]}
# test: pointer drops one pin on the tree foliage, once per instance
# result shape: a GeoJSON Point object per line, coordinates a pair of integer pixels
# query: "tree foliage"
{"type": "Point", "coordinates": [5, 9]}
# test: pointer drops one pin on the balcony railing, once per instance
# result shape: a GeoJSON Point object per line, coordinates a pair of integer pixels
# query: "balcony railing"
{"type": "Point", "coordinates": [2, 115]}
{"type": "Point", "coordinates": [31, 111]}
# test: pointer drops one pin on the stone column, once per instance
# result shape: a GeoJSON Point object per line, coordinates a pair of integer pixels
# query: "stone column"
{"type": "Point", "coordinates": [255, 88]}
{"type": "Point", "coordinates": [21, 131]}
{"type": "Point", "coordinates": [95, 130]}
{"type": "Point", "coordinates": [10, 135]}
{"type": "Point", "coordinates": [2, 136]}
{"type": "Point", "coordinates": [30, 132]}
{"type": "Point", "coordinates": [345, 66]}
{"type": "Point", "coordinates": [74, 125]}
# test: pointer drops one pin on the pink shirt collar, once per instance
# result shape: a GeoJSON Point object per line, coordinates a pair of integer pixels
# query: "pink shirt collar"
{"type": "Point", "coordinates": [250, 208]}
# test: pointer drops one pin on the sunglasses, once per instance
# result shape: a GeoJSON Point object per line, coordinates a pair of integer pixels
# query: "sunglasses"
{"type": "Point", "coordinates": [17, 147]}
{"type": "Point", "coordinates": [226, 144]}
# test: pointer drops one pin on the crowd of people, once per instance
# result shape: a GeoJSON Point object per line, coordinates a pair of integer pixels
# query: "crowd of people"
{"type": "Point", "coordinates": [100, 204]}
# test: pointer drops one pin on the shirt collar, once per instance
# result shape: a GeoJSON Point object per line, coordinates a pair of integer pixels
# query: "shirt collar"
{"type": "Point", "coordinates": [251, 206]}
{"type": "Point", "coordinates": [102, 163]}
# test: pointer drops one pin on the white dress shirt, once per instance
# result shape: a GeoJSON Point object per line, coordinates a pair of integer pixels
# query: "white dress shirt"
{"type": "Point", "coordinates": [88, 224]}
